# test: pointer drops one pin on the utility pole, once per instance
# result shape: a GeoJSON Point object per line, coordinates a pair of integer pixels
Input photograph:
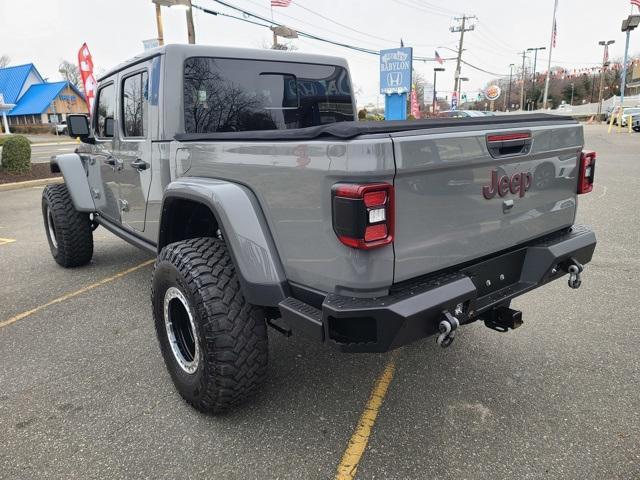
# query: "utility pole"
{"type": "Point", "coordinates": [159, 25]}
{"type": "Point", "coordinates": [507, 100]}
{"type": "Point", "coordinates": [605, 62]}
{"type": "Point", "coordinates": [524, 57]}
{"type": "Point", "coordinates": [461, 28]}
{"type": "Point", "coordinates": [178, 5]}
{"type": "Point", "coordinates": [191, 31]}
{"type": "Point", "coordinates": [552, 43]}
{"type": "Point", "coordinates": [533, 77]}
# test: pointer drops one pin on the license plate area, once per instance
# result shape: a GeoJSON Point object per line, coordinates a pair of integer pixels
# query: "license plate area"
{"type": "Point", "coordinates": [497, 273]}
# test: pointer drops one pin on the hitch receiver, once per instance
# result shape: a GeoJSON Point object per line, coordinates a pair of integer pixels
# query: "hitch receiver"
{"type": "Point", "coordinates": [501, 319]}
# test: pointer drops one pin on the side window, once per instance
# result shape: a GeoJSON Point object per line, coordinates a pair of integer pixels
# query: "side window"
{"type": "Point", "coordinates": [106, 111]}
{"type": "Point", "coordinates": [134, 104]}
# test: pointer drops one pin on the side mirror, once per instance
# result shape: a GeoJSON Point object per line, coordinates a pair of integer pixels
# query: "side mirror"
{"type": "Point", "coordinates": [78, 126]}
{"type": "Point", "coordinates": [109, 123]}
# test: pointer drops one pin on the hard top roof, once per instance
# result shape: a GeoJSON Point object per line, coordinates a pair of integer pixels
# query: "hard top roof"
{"type": "Point", "coordinates": [185, 51]}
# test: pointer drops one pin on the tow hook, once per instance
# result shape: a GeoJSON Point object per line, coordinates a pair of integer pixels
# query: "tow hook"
{"type": "Point", "coordinates": [447, 327]}
{"type": "Point", "coordinates": [575, 269]}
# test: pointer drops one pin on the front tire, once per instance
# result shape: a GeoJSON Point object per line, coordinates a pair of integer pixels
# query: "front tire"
{"type": "Point", "coordinates": [69, 232]}
{"type": "Point", "coordinates": [213, 342]}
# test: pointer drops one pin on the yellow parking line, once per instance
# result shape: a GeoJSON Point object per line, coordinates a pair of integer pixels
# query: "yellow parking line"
{"type": "Point", "coordinates": [67, 296]}
{"type": "Point", "coordinates": [360, 438]}
{"type": "Point", "coordinates": [4, 241]}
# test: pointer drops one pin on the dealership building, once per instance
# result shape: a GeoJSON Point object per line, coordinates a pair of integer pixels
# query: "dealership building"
{"type": "Point", "coordinates": [28, 99]}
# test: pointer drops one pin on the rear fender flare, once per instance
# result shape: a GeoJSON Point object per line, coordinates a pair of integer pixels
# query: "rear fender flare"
{"type": "Point", "coordinates": [75, 177]}
{"type": "Point", "coordinates": [244, 229]}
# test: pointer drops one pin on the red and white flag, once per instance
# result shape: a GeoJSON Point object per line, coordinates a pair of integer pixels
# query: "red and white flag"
{"type": "Point", "coordinates": [554, 34]}
{"type": "Point", "coordinates": [636, 3]}
{"type": "Point", "coordinates": [280, 3]}
{"type": "Point", "coordinates": [439, 58]}
{"type": "Point", "coordinates": [85, 64]}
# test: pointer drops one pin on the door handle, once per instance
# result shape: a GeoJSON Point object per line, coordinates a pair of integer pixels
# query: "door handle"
{"type": "Point", "coordinates": [139, 164]}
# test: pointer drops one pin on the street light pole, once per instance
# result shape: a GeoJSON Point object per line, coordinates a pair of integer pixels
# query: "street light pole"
{"type": "Point", "coordinates": [628, 25]}
{"type": "Point", "coordinates": [507, 101]}
{"type": "Point", "coordinates": [435, 72]}
{"type": "Point", "coordinates": [572, 86]}
{"type": "Point", "coordinates": [533, 77]}
{"type": "Point", "coordinates": [605, 62]}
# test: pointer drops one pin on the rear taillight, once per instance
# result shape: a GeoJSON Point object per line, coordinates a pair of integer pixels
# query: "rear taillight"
{"type": "Point", "coordinates": [586, 171]}
{"type": "Point", "coordinates": [363, 214]}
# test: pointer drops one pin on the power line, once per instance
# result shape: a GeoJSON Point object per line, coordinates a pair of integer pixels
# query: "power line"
{"type": "Point", "coordinates": [266, 23]}
{"type": "Point", "coordinates": [345, 26]}
{"type": "Point", "coordinates": [483, 70]}
{"type": "Point", "coordinates": [415, 7]}
{"type": "Point", "coordinates": [322, 28]}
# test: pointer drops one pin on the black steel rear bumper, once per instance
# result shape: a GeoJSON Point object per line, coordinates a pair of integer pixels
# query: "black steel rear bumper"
{"type": "Point", "coordinates": [413, 309]}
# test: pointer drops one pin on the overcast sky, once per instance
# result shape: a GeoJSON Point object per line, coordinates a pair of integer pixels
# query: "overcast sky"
{"type": "Point", "coordinates": [47, 31]}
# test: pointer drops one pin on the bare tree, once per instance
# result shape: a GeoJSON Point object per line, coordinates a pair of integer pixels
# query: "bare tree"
{"type": "Point", "coordinates": [4, 60]}
{"type": "Point", "coordinates": [71, 73]}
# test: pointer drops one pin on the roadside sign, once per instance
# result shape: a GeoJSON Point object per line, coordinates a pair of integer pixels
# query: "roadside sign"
{"type": "Point", "coordinates": [395, 70]}
{"type": "Point", "coordinates": [492, 92]}
{"type": "Point", "coordinates": [151, 43]}
{"type": "Point", "coordinates": [454, 101]}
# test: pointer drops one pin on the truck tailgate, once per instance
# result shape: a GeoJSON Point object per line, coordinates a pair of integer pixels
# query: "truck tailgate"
{"type": "Point", "coordinates": [452, 204]}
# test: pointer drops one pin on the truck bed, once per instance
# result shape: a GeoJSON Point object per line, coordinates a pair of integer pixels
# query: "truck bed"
{"type": "Point", "coordinates": [439, 169]}
{"type": "Point", "coordinates": [348, 130]}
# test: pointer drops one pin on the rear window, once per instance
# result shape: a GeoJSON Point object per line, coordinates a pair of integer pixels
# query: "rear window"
{"type": "Point", "coordinates": [231, 95]}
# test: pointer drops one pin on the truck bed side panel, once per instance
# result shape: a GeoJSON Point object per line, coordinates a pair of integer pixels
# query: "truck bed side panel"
{"type": "Point", "coordinates": [292, 181]}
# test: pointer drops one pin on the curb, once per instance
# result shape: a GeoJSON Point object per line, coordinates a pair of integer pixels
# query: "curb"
{"type": "Point", "coordinates": [53, 144]}
{"type": "Point", "coordinates": [30, 183]}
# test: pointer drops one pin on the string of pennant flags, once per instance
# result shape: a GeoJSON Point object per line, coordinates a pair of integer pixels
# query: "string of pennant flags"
{"type": "Point", "coordinates": [563, 73]}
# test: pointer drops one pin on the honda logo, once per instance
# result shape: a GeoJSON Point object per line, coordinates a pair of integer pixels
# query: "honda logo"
{"type": "Point", "coordinates": [394, 79]}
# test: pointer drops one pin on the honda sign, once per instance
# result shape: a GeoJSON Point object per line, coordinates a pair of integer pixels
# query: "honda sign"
{"type": "Point", "coordinates": [395, 70]}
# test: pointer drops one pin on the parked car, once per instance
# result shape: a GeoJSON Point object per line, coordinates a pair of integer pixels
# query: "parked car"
{"type": "Point", "coordinates": [266, 204]}
{"type": "Point", "coordinates": [61, 127]}
{"type": "Point", "coordinates": [625, 115]}
{"type": "Point", "coordinates": [461, 113]}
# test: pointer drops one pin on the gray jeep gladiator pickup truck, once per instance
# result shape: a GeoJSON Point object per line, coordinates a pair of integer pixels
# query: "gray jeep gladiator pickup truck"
{"type": "Point", "coordinates": [266, 204]}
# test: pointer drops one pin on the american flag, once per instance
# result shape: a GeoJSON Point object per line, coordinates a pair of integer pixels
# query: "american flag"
{"type": "Point", "coordinates": [606, 54]}
{"type": "Point", "coordinates": [280, 3]}
{"type": "Point", "coordinates": [439, 58]}
{"type": "Point", "coordinates": [636, 3]}
{"type": "Point", "coordinates": [555, 30]}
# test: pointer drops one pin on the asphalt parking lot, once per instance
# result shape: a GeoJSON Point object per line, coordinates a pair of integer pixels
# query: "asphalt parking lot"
{"type": "Point", "coordinates": [84, 392]}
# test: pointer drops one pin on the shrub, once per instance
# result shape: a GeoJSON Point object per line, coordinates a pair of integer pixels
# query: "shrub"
{"type": "Point", "coordinates": [31, 128]}
{"type": "Point", "coordinates": [16, 155]}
